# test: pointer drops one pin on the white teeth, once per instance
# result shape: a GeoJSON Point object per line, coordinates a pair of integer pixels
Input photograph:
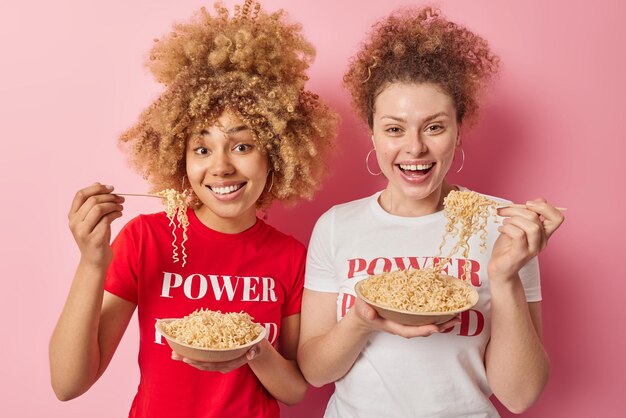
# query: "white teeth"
{"type": "Point", "coordinates": [415, 167]}
{"type": "Point", "coordinates": [227, 189]}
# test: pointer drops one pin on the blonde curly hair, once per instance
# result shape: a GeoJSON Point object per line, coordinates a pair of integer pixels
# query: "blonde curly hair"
{"type": "Point", "coordinates": [418, 46]}
{"type": "Point", "coordinates": [252, 64]}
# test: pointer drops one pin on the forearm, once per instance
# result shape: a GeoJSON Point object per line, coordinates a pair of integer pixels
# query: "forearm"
{"type": "Point", "coordinates": [517, 364]}
{"type": "Point", "coordinates": [281, 377]}
{"type": "Point", "coordinates": [327, 358]}
{"type": "Point", "coordinates": [74, 350]}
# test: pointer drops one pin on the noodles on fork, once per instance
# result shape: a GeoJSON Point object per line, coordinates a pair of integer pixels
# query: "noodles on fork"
{"type": "Point", "coordinates": [176, 212]}
{"type": "Point", "coordinates": [467, 214]}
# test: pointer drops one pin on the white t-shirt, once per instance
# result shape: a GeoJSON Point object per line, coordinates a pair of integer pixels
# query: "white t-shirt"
{"type": "Point", "coordinates": [438, 376]}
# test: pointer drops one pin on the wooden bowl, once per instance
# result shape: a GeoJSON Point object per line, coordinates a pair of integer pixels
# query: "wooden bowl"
{"type": "Point", "coordinates": [207, 355]}
{"type": "Point", "coordinates": [419, 318]}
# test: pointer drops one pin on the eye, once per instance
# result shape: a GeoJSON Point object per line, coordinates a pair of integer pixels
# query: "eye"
{"type": "Point", "coordinates": [394, 130]}
{"type": "Point", "coordinates": [435, 127]}
{"type": "Point", "coordinates": [243, 148]}
{"type": "Point", "coordinates": [201, 151]}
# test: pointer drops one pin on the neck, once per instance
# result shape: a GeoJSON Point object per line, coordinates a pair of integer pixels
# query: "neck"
{"type": "Point", "coordinates": [392, 202]}
{"type": "Point", "coordinates": [226, 225]}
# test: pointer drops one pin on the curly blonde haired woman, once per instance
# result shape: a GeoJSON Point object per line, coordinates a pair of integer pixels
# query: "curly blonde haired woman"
{"type": "Point", "coordinates": [237, 127]}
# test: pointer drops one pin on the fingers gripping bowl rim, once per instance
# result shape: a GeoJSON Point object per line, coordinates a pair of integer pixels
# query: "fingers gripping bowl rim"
{"type": "Point", "coordinates": [406, 317]}
{"type": "Point", "coordinates": [207, 355]}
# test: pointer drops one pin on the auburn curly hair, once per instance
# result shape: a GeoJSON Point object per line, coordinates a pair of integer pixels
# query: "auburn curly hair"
{"type": "Point", "coordinates": [418, 46]}
{"type": "Point", "coordinates": [252, 64]}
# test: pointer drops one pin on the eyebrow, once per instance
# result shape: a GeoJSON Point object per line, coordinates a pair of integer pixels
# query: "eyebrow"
{"type": "Point", "coordinates": [233, 130]}
{"type": "Point", "coordinates": [236, 129]}
{"type": "Point", "coordinates": [428, 119]}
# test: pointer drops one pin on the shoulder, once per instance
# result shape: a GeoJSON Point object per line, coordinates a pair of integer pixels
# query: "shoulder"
{"type": "Point", "coordinates": [150, 219]}
{"type": "Point", "coordinates": [341, 221]}
{"type": "Point", "coordinates": [153, 218]}
{"type": "Point", "coordinates": [349, 210]}
{"type": "Point", "coordinates": [144, 221]}
{"type": "Point", "coordinates": [279, 239]}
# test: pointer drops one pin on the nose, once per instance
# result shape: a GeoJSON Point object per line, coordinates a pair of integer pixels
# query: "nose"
{"type": "Point", "coordinates": [221, 164]}
{"type": "Point", "coordinates": [415, 144]}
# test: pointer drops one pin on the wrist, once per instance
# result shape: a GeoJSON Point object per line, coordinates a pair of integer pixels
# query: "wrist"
{"type": "Point", "coordinates": [95, 262]}
{"type": "Point", "coordinates": [262, 350]}
{"type": "Point", "coordinates": [92, 268]}
{"type": "Point", "coordinates": [356, 324]}
{"type": "Point", "coordinates": [503, 285]}
{"type": "Point", "coordinates": [499, 274]}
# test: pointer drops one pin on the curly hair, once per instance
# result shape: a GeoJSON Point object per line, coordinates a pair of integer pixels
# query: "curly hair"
{"type": "Point", "coordinates": [417, 46]}
{"type": "Point", "coordinates": [252, 64]}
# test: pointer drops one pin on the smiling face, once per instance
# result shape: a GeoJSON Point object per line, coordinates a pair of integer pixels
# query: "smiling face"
{"type": "Point", "coordinates": [415, 133]}
{"type": "Point", "coordinates": [227, 173]}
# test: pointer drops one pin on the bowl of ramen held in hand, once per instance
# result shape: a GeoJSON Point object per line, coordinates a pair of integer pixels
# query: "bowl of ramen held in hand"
{"type": "Point", "coordinates": [417, 297]}
{"type": "Point", "coordinates": [208, 336]}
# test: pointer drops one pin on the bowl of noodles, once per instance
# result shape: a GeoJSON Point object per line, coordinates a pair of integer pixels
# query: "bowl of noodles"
{"type": "Point", "coordinates": [417, 297]}
{"type": "Point", "coordinates": [211, 336]}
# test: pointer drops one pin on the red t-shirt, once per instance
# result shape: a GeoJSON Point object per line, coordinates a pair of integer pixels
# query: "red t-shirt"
{"type": "Point", "coordinates": [259, 271]}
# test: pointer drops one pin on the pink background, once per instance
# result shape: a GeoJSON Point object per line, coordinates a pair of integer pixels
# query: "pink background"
{"type": "Point", "coordinates": [72, 79]}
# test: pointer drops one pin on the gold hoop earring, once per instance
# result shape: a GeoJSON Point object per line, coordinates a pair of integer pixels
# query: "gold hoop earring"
{"type": "Point", "coordinates": [462, 160]}
{"type": "Point", "coordinates": [271, 173]}
{"type": "Point", "coordinates": [190, 198]}
{"type": "Point", "coordinates": [367, 163]}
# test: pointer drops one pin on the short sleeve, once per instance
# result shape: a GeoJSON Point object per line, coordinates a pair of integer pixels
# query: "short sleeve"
{"type": "Point", "coordinates": [121, 279]}
{"type": "Point", "coordinates": [293, 300]}
{"type": "Point", "coordinates": [320, 267]}
{"type": "Point", "coordinates": [529, 274]}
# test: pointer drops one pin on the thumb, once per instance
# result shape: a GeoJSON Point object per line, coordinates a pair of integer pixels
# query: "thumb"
{"type": "Point", "coordinates": [367, 312]}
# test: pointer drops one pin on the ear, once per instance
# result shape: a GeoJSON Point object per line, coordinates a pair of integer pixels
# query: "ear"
{"type": "Point", "coordinates": [458, 140]}
{"type": "Point", "coordinates": [373, 143]}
